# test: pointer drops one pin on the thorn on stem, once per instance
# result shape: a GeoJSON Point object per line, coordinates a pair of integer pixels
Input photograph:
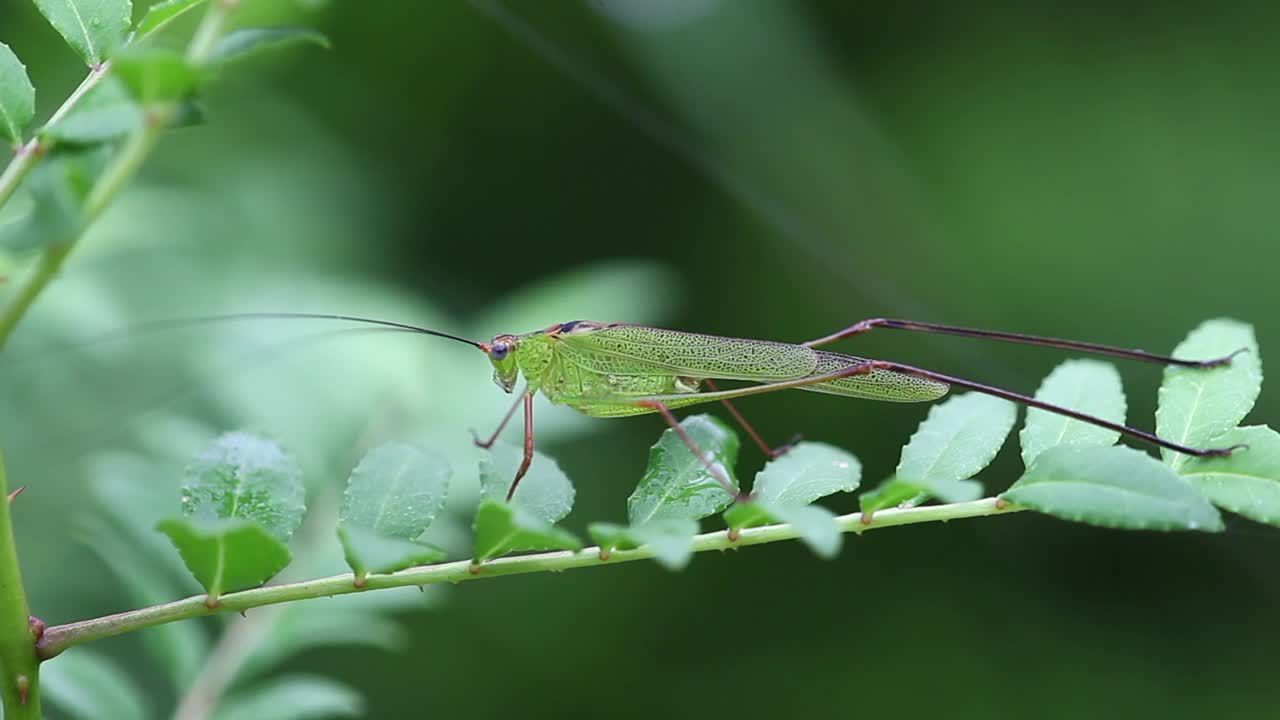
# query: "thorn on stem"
{"type": "Point", "coordinates": [244, 614]}
{"type": "Point", "coordinates": [17, 492]}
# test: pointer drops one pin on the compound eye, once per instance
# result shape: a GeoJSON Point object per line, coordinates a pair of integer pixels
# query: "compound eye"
{"type": "Point", "coordinates": [499, 350]}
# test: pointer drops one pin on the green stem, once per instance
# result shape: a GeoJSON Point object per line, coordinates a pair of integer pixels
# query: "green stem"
{"type": "Point", "coordinates": [59, 638]}
{"type": "Point", "coordinates": [29, 153]}
{"type": "Point", "coordinates": [124, 165]}
{"type": "Point", "coordinates": [19, 665]}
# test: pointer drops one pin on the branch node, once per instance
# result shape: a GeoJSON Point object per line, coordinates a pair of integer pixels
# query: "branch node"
{"type": "Point", "coordinates": [473, 569]}
{"type": "Point", "coordinates": [36, 626]}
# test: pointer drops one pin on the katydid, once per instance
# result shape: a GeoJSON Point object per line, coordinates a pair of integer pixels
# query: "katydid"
{"type": "Point", "coordinates": [617, 369]}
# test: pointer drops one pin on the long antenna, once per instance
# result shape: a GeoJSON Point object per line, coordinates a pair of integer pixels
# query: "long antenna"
{"type": "Point", "coordinates": [184, 322]}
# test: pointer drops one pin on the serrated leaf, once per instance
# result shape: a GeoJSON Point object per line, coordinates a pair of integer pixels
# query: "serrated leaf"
{"type": "Point", "coordinates": [891, 493]}
{"type": "Point", "coordinates": [807, 472]}
{"type": "Point", "coordinates": [1087, 386]}
{"type": "Point", "coordinates": [246, 41]}
{"type": "Point", "coordinates": [959, 438]}
{"type": "Point", "coordinates": [226, 555]}
{"type": "Point", "coordinates": [1112, 487]}
{"type": "Point", "coordinates": [1247, 481]}
{"type": "Point", "coordinates": [367, 551]}
{"type": "Point", "coordinates": [156, 75]}
{"type": "Point", "coordinates": [179, 648]}
{"type": "Point", "coordinates": [545, 491]}
{"type": "Point", "coordinates": [502, 527]}
{"type": "Point", "coordinates": [815, 525]}
{"type": "Point", "coordinates": [292, 697]}
{"type": "Point", "coordinates": [105, 113]}
{"type": "Point", "coordinates": [670, 539]}
{"type": "Point", "coordinates": [17, 96]}
{"type": "Point", "coordinates": [163, 13]}
{"type": "Point", "coordinates": [676, 484]}
{"type": "Point", "coordinates": [393, 495]}
{"type": "Point", "coordinates": [87, 686]}
{"type": "Point", "coordinates": [245, 477]}
{"type": "Point", "coordinates": [93, 28]}
{"type": "Point", "coordinates": [58, 187]}
{"type": "Point", "coordinates": [1199, 404]}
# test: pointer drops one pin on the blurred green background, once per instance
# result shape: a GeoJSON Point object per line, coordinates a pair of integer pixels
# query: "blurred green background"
{"type": "Point", "coordinates": [751, 167]}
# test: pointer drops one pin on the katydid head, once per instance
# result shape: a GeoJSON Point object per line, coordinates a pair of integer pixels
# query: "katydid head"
{"type": "Point", "coordinates": [502, 353]}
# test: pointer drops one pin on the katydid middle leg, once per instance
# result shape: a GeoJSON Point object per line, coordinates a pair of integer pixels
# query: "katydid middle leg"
{"type": "Point", "coordinates": [689, 442]}
{"type": "Point", "coordinates": [527, 399]}
{"type": "Point", "coordinates": [863, 326]}
{"type": "Point", "coordinates": [770, 452]}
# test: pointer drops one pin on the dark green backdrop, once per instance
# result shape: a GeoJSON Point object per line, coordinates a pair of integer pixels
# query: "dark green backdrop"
{"type": "Point", "coordinates": [747, 167]}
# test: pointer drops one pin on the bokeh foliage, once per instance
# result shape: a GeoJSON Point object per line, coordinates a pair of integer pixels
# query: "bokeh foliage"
{"type": "Point", "coordinates": [1068, 169]}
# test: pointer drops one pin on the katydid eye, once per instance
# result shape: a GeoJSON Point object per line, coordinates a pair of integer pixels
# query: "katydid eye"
{"type": "Point", "coordinates": [499, 350]}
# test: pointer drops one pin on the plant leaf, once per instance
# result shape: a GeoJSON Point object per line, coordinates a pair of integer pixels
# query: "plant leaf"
{"type": "Point", "coordinates": [156, 75]}
{"type": "Point", "coordinates": [105, 113]}
{"type": "Point", "coordinates": [505, 527]}
{"type": "Point", "coordinates": [545, 491]}
{"type": "Point", "coordinates": [163, 13]}
{"type": "Point", "coordinates": [807, 472]}
{"type": "Point", "coordinates": [815, 525]}
{"type": "Point", "coordinates": [245, 477]}
{"type": "Point", "coordinates": [676, 484]}
{"type": "Point", "coordinates": [93, 28]}
{"type": "Point", "coordinates": [87, 686]}
{"type": "Point", "coordinates": [670, 539]}
{"type": "Point", "coordinates": [17, 96]}
{"type": "Point", "coordinates": [891, 493]}
{"type": "Point", "coordinates": [1197, 405]}
{"type": "Point", "coordinates": [57, 187]}
{"type": "Point", "coordinates": [241, 43]}
{"type": "Point", "coordinates": [1088, 386]}
{"type": "Point", "coordinates": [393, 495]}
{"type": "Point", "coordinates": [1112, 487]}
{"type": "Point", "coordinates": [958, 438]}
{"type": "Point", "coordinates": [226, 555]}
{"type": "Point", "coordinates": [292, 697]}
{"type": "Point", "coordinates": [1247, 481]}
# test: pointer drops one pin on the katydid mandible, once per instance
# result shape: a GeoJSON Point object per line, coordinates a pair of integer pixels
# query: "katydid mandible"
{"type": "Point", "coordinates": [617, 369]}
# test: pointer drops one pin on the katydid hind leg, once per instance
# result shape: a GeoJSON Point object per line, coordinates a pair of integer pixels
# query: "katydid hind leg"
{"type": "Point", "coordinates": [864, 326]}
{"type": "Point", "coordinates": [689, 442]}
{"type": "Point", "coordinates": [770, 452]}
{"type": "Point", "coordinates": [511, 411]}
{"type": "Point", "coordinates": [1042, 405]}
{"type": "Point", "coordinates": [527, 399]}
{"type": "Point", "coordinates": [868, 366]}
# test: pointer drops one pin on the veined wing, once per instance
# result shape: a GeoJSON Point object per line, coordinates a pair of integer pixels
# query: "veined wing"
{"type": "Point", "coordinates": [638, 350]}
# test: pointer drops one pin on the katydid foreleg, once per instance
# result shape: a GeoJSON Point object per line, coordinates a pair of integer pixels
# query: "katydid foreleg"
{"type": "Point", "coordinates": [486, 444]}
{"type": "Point", "coordinates": [863, 326]}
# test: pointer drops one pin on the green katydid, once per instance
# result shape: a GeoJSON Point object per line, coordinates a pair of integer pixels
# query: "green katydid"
{"type": "Point", "coordinates": [617, 369]}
